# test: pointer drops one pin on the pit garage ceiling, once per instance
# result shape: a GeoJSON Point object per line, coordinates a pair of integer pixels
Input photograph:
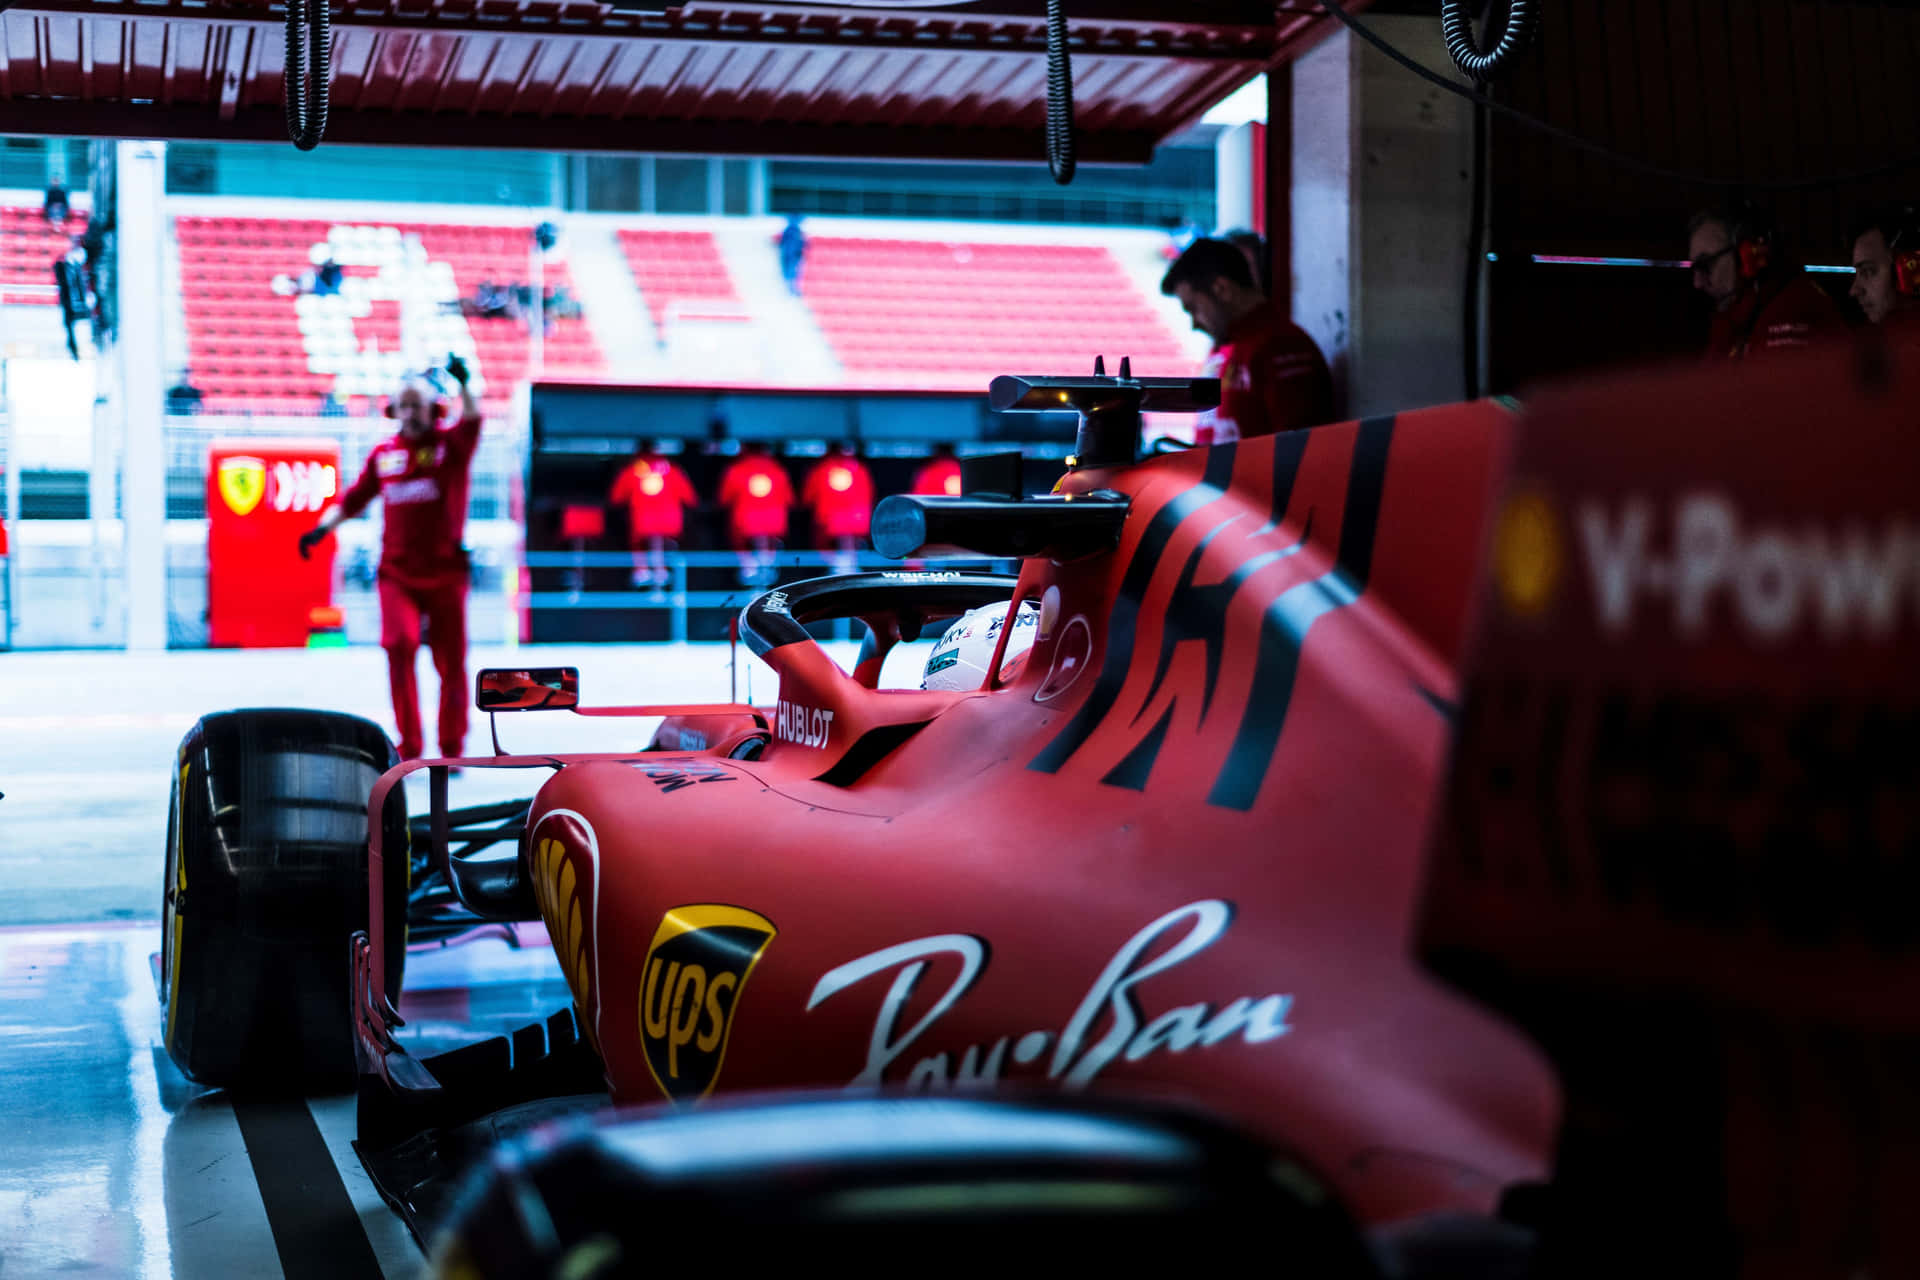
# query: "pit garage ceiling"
{"type": "Point", "coordinates": [955, 80]}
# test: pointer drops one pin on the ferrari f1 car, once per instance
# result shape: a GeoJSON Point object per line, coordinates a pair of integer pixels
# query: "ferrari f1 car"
{"type": "Point", "coordinates": [1174, 852]}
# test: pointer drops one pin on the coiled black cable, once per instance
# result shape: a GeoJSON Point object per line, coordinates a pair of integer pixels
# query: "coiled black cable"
{"type": "Point", "coordinates": [1456, 28]}
{"type": "Point", "coordinates": [1061, 160]}
{"type": "Point", "coordinates": [306, 96]}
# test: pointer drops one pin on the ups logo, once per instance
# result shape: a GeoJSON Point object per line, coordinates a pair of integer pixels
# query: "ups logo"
{"type": "Point", "coordinates": [697, 965]}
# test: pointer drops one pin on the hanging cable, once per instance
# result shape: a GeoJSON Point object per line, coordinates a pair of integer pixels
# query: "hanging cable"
{"type": "Point", "coordinates": [305, 95]}
{"type": "Point", "coordinates": [1456, 28]}
{"type": "Point", "coordinates": [1476, 259]}
{"type": "Point", "coordinates": [1898, 164]}
{"type": "Point", "coordinates": [1060, 149]}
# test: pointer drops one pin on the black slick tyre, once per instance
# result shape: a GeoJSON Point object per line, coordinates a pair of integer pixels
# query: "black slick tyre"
{"type": "Point", "coordinates": [266, 883]}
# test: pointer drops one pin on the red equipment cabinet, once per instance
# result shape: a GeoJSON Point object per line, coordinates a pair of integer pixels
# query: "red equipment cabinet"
{"type": "Point", "coordinates": [261, 496]}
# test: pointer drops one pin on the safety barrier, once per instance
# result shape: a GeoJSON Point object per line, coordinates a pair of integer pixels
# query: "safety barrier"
{"type": "Point", "coordinates": [678, 598]}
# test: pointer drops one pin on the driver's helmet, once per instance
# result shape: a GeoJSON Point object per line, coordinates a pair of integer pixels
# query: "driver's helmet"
{"type": "Point", "coordinates": [959, 661]}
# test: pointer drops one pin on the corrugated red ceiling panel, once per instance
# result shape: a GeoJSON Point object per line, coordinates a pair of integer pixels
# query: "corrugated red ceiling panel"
{"type": "Point", "coordinates": [706, 77]}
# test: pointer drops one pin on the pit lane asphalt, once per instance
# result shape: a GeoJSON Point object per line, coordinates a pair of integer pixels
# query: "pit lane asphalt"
{"type": "Point", "coordinates": [87, 740]}
{"type": "Point", "coordinates": [112, 1164]}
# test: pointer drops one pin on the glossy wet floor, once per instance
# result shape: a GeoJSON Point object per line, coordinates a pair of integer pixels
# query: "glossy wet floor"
{"type": "Point", "coordinates": [112, 1164]}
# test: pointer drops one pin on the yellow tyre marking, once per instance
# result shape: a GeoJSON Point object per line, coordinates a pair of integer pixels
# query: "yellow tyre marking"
{"type": "Point", "coordinates": [179, 887]}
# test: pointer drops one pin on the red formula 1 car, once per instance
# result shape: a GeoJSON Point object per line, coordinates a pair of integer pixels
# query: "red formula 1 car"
{"type": "Point", "coordinates": [1176, 854]}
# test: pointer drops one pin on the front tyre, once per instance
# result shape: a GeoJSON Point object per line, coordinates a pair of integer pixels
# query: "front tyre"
{"type": "Point", "coordinates": [266, 883]}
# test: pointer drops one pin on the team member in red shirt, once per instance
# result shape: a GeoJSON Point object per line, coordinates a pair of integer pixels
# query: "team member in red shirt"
{"type": "Point", "coordinates": [1272, 376]}
{"type": "Point", "coordinates": [1762, 302]}
{"type": "Point", "coordinates": [839, 492]}
{"type": "Point", "coordinates": [758, 498]}
{"type": "Point", "coordinates": [420, 475]}
{"type": "Point", "coordinates": [941, 475]}
{"type": "Point", "coordinates": [656, 495]}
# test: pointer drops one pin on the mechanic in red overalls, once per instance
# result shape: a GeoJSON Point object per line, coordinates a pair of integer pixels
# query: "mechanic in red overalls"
{"type": "Point", "coordinates": [839, 493]}
{"type": "Point", "coordinates": [656, 495]}
{"type": "Point", "coordinates": [420, 476]}
{"type": "Point", "coordinates": [758, 497]}
{"type": "Point", "coordinates": [1762, 302]}
{"type": "Point", "coordinates": [941, 475]}
{"type": "Point", "coordinates": [1886, 271]}
{"type": "Point", "coordinates": [1272, 376]}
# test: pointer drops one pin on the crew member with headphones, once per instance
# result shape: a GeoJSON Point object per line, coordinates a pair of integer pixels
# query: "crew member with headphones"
{"type": "Point", "coordinates": [1886, 269]}
{"type": "Point", "coordinates": [1763, 302]}
{"type": "Point", "coordinates": [420, 475]}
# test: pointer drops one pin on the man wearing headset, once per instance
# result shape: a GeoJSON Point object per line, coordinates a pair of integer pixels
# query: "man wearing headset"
{"type": "Point", "coordinates": [420, 475]}
{"type": "Point", "coordinates": [1886, 269]}
{"type": "Point", "coordinates": [1762, 301]}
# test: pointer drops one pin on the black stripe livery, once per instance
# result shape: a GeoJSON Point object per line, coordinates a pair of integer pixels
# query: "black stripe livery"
{"type": "Point", "coordinates": [1200, 613]}
{"type": "Point", "coordinates": [1283, 629]}
{"type": "Point", "coordinates": [1124, 619]}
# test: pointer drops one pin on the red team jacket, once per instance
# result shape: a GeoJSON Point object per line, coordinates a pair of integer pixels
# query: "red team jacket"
{"type": "Point", "coordinates": [424, 489]}
{"type": "Point", "coordinates": [1902, 328]}
{"type": "Point", "coordinates": [656, 494]}
{"type": "Point", "coordinates": [840, 492]}
{"type": "Point", "coordinates": [942, 475]}
{"type": "Point", "coordinates": [756, 493]}
{"type": "Point", "coordinates": [1272, 378]}
{"type": "Point", "coordinates": [1776, 317]}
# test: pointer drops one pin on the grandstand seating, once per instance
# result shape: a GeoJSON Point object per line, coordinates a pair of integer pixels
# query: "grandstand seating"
{"type": "Point", "coordinates": [949, 315]}
{"type": "Point", "coordinates": [895, 311]}
{"type": "Point", "coordinates": [28, 247]}
{"type": "Point", "coordinates": [676, 266]}
{"type": "Point", "coordinates": [253, 349]}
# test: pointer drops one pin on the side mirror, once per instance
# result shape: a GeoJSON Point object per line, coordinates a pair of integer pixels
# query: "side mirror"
{"type": "Point", "coordinates": [541, 689]}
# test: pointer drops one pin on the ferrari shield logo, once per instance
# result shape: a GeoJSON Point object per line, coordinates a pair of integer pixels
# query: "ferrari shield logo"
{"type": "Point", "coordinates": [243, 482]}
{"type": "Point", "coordinates": [697, 966]}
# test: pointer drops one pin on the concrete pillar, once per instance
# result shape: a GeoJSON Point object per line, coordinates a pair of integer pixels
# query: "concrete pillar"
{"type": "Point", "coordinates": [1415, 168]}
{"type": "Point", "coordinates": [1234, 174]}
{"type": "Point", "coordinates": [105, 464]}
{"type": "Point", "coordinates": [140, 224]}
{"type": "Point", "coordinates": [1325, 89]}
{"type": "Point", "coordinates": [1382, 201]}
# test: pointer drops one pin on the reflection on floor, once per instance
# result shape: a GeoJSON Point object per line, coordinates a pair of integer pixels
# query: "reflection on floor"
{"type": "Point", "coordinates": [112, 1164]}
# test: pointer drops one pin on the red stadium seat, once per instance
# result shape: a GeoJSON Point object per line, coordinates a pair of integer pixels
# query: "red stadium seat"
{"type": "Point", "coordinates": [245, 344]}
{"type": "Point", "coordinates": [676, 266]}
{"type": "Point", "coordinates": [898, 309]}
